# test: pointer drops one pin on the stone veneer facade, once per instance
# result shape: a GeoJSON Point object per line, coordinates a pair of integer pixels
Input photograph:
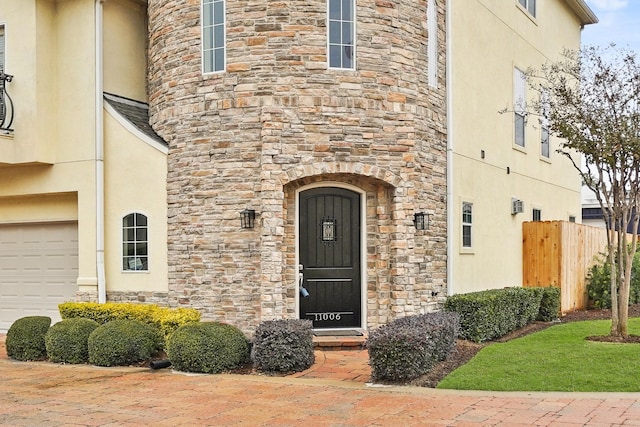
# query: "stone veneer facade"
{"type": "Point", "coordinates": [277, 120]}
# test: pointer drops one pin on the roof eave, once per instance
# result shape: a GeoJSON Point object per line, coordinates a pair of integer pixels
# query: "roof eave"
{"type": "Point", "coordinates": [583, 12]}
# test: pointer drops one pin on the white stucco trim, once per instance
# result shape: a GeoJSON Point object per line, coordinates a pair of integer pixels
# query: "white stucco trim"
{"type": "Point", "coordinates": [363, 244]}
{"type": "Point", "coordinates": [99, 146]}
{"type": "Point", "coordinates": [133, 129]}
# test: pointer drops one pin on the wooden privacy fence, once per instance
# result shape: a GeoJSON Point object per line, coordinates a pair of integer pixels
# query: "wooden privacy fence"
{"type": "Point", "coordinates": [560, 253]}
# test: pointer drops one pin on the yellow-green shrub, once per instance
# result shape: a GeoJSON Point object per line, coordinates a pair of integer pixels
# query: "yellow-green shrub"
{"type": "Point", "coordinates": [165, 319]}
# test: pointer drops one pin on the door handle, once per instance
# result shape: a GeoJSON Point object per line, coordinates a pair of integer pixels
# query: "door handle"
{"type": "Point", "coordinates": [303, 291]}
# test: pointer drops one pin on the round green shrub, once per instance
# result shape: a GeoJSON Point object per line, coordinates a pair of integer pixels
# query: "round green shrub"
{"type": "Point", "coordinates": [25, 338]}
{"type": "Point", "coordinates": [207, 347]}
{"type": "Point", "coordinates": [123, 342]}
{"type": "Point", "coordinates": [67, 341]}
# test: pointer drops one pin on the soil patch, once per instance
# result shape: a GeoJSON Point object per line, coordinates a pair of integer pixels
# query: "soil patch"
{"type": "Point", "coordinates": [465, 350]}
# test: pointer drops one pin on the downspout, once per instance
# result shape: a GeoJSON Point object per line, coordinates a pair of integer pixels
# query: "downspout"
{"type": "Point", "coordinates": [99, 140]}
{"type": "Point", "coordinates": [450, 201]}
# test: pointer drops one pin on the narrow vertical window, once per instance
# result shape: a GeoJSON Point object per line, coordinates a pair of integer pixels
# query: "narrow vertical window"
{"type": "Point", "coordinates": [530, 5]}
{"type": "Point", "coordinates": [213, 36]}
{"type": "Point", "coordinates": [467, 223]}
{"type": "Point", "coordinates": [342, 48]}
{"type": "Point", "coordinates": [432, 44]}
{"type": "Point", "coordinates": [135, 251]}
{"type": "Point", "coordinates": [520, 106]}
{"type": "Point", "coordinates": [544, 125]}
{"type": "Point", "coordinates": [537, 215]}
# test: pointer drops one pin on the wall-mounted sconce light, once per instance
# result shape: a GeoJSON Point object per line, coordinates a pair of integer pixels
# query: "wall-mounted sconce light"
{"type": "Point", "coordinates": [421, 220]}
{"type": "Point", "coordinates": [247, 218]}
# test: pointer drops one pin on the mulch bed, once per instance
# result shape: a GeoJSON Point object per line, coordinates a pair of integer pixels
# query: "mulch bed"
{"type": "Point", "coordinates": [465, 350]}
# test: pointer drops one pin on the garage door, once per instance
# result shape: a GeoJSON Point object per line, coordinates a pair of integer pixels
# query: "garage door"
{"type": "Point", "coordinates": [38, 269]}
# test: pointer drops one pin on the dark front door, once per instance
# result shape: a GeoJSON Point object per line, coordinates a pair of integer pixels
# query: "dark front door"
{"type": "Point", "coordinates": [330, 257]}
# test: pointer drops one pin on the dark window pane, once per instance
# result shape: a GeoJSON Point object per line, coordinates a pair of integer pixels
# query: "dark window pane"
{"type": "Point", "coordinates": [218, 12]}
{"type": "Point", "coordinates": [141, 249]}
{"type": "Point", "coordinates": [128, 234]}
{"type": "Point", "coordinates": [218, 36]}
{"type": "Point", "coordinates": [347, 57]}
{"type": "Point", "coordinates": [129, 249]}
{"type": "Point", "coordinates": [208, 61]}
{"type": "Point", "coordinates": [347, 12]}
{"type": "Point", "coordinates": [219, 55]}
{"type": "Point", "coordinates": [519, 124]}
{"type": "Point", "coordinates": [334, 9]}
{"type": "Point", "coordinates": [334, 56]}
{"type": "Point", "coordinates": [141, 220]}
{"type": "Point", "coordinates": [127, 221]}
{"type": "Point", "coordinates": [207, 35]}
{"type": "Point", "coordinates": [466, 236]}
{"type": "Point", "coordinates": [334, 32]}
{"type": "Point", "coordinates": [141, 235]}
{"type": "Point", "coordinates": [207, 14]}
{"type": "Point", "coordinates": [346, 33]}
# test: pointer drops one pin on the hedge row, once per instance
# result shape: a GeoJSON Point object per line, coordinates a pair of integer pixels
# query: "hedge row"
{"type": "Point", "coordinates": [490, 314]}
{"type": "Point", "coordinates": [409, 347]}
{"type": "Point", "coordinates": [164, 319]}
{"type": "Point", "coordinates": [207, 347]}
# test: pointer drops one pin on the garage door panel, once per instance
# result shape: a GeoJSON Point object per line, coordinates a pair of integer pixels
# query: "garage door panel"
{"type": "Point", "coordinates": [38, 269]}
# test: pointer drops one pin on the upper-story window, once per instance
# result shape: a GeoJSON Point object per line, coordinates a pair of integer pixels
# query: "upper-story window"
{"type": "Point", "coordinates": [342, 47]}
{"type": "Point", "coordinates": [213, 36]}
{"type": "Point", "coordinates": [432, 44]}
{"type": "Point", "coordinates": [135, 244]}
{"type": "Point", "coordinates": [544, 126]}
{"type": "Point", "coordinates": [519, 106]}
{"type": "Point", "coordinates": [530, 5]}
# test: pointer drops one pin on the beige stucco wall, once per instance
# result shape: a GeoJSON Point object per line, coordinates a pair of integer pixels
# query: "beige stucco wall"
{"type": "Point", "coordinates": [48, 164]}
{"type": "Point", "coordinates": [135, 181]}
{"type": "Point", "coordinates": [489, 38]}
{"type": "Point", "coordinates": [125, 59]}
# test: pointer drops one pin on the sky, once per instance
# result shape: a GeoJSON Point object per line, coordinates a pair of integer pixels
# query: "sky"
{"type": "Point", "coordinates": [619, 23]}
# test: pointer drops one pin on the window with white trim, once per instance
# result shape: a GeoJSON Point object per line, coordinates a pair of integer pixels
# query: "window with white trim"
{"type": "Point", "coordinates": [544, 126]}
{"type": "Point", "coordinates": [341, 37]}
{"type": "Point", "coordinates": [536, 214]}
{"type": "Point", "coordinates": [213, 36]}
{"type": "Point", "coordinates": [432, 44]}
{"type": "Point", "coordinates": [467, 224]}
{"type": "Point", "coordinates": [135, 244]}
{"type": "Point", "coordinates": [520, 106]}
{"type": "Point", "coordinates": [530, 5]}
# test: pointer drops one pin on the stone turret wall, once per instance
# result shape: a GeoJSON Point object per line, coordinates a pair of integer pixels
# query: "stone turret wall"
{"type": "Point", "coordinates": [278, 119]}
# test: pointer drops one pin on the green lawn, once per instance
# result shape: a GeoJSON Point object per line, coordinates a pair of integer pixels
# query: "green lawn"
{"type": "Point", "coordinates": [555, 359]}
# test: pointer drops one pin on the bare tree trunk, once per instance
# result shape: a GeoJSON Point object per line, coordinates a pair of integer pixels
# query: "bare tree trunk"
{"type": "Point", "coordinates": [614, 279]}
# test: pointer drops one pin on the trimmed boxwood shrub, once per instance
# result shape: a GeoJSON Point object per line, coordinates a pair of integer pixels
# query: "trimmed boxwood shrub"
{"type": "Point", "coordinates": [283, 346]}
{"type": "Point", "coordinates": [123, 342]}
{"type": "Point", "coordinates": [549, 304]}
{"type": "Point", "coordinates": [490, 314]}
{"type": "Point", "coordinates": [25, 338]}
{"type": "Point", "coordinates": [67, 341]}
{"type": "Point", "coordinates": [207, 347]}
{"type": "Point", "coordinates": [407, 348]}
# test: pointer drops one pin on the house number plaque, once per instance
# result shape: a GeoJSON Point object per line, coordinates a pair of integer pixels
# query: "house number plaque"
{"type": "Point", "coordinates": [328, 316]}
